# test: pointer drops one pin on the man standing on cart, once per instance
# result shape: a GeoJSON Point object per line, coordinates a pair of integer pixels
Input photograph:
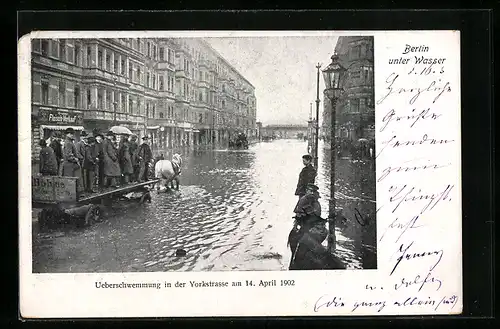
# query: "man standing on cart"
{"type": "Point", "coordinates": [112, 170]}
{"type": "Point", "coordinates": [144, 156]}
{"type": "Point", "coordinates": [71, 165]}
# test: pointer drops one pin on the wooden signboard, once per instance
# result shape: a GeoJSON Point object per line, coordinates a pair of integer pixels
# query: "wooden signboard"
{"type": "Point", "coordinates": [54, 189]}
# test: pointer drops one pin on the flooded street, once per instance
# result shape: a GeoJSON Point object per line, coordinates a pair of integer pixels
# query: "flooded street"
{"type": "Point", "coordinates": [233, 212]}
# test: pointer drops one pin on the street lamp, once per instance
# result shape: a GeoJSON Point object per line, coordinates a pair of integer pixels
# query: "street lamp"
{"type": "Point", "coordinates": [334, 80]}
{"type": "Point", "coordinates": [317, 119]}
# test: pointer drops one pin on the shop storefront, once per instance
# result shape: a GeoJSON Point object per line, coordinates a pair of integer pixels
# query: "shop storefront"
{"type": "Point", "coordinates": [46, 121]}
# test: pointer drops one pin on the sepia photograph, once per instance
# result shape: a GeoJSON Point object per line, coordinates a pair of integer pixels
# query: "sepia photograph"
{"type": "Point", "coordinates": [203, 154]}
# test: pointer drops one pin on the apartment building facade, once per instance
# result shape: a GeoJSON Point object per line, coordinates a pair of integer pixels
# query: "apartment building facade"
{"type": "Point", "coordinates": [355, 113]}
{"type": "Point", "coordinates": [180, 92]}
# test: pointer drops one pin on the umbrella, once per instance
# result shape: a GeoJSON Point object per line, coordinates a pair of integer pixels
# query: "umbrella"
{"type": "Point", "coordinates": [362, 140]}
{"type": "Point", "coordinates": [120, 130]}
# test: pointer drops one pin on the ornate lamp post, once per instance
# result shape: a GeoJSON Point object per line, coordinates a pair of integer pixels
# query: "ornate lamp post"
{"type": "Point", "coordinates": [334, 79]}
{"type": "Point", "coordinates": [316, 127]}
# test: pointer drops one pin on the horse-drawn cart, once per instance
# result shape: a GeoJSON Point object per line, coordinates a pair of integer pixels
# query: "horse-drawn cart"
{"type": "Point", "coordinates": [61, 203]}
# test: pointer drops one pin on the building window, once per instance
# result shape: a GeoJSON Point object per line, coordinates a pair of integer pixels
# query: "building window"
{"type": "Point", "coordinates": [62, 50]}
{"type": "Point", "coordinates": [76, 97]}
{"type": "Point", "coordinates": [130, 72]}
{"type": "Point", "coordinates": [89, 98]}
{"type": "Point", "coordinates": [162, 53]}
{"type": "Point", "coordinates": [354, 105]}
{"type": "Point", "coordinates": [62, 93]}
{"type": "Point", "coordinates": [138, 106]}
{"type": "Point", "coordinates": [200, 118]}
{"type": "Point", "coordinates": [108, 62]}
{"type": "Point", "coordinates": [108, 99]}
{"type": "Point", "coordinates": [161, 113]}
{"type": "Point", "coordinates": [45, 92]}
{"type": "Point", "coordinates": [223, 104]}
{"type": "Point", "coordinates": [154, 81]}
{"type": "Point", "coordinates": [162, 82]}
{"type": "Point", "coordinates": [147, 79]}
{"type": "Point", "coordinates": [124, 103]}
{"type": "Point", "coordinates": [35, 45]}
{"type": "Point", "coordinates": [99, 59]}
{"type": "Point", "coordinates": [155, 55]}
{"type": "Point", "coordinates": [115, 66]}
{"type": "Point", "coordinates": [116, 98]}
{"type": "Point", "coordinates": [89, 56]}
{"type": "Point", "coordinates": [123, 67]}
{"type": "Point", "coordinates": [355, 74]}
{"type": "Point", "coordinates": [45, 47]}
{"type": "Point", "coordinates": [130, 109]}
{"type": "Point", "coordinates": [169, 54]}
{"type": "Point", "coordinates": [138, 78]}
{"type": "Point", "coordinates": [138, 44]}
{"type": "Point", "coordinates": [77, 55]}
{"type": "Point", "coordinates": [100, 99]}
{"type": "Point", "coordinates": [149, 49]}
{"type": "Point", "coordinates": [356, 52]}
{"type": "Point", "coordinates": [200, 96]}
{"type": "Point", "coordinates": [55, 48]}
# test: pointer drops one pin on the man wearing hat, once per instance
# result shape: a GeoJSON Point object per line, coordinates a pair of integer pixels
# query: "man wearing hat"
{"type": "Point", "coordinates": [55, 144]}
{"type": "Point", "coordinates": [98, 152]}
{"type": "Point", "coordinates": [308, 233]}
{"type": "Point", "coordinates": [71, 165]}
{"type": "Point", "coordinates": [80, 153]}
{"type": "Point", "coordinates": [306, 176]}
{"type": "Point", "coordinates": [112, 171]}
{"type": "Point", "coordinates": [89, 164]}
{"type": "Point", "coordinates": [144, 156]}
{"type": "Point", "coordinates": [133, 148]}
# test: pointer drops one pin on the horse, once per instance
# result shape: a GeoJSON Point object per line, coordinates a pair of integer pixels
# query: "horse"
{"type": "Point", "coordinates": [168, 171]}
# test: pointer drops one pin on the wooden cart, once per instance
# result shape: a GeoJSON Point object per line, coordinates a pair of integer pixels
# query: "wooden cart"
{"type": "Point", "coordinates": [61, 203]}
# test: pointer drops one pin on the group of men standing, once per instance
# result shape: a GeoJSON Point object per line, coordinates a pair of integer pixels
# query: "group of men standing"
{"type": "Point", "coordinates": [98, 160]}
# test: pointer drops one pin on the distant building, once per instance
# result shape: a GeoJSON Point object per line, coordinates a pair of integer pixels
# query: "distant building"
{"type": "Point", "coordinates": [178, 91]}
{"type": "Point", "coordinates": [355, 108]}
{"type": "Point", "coordinates": [285, 131]}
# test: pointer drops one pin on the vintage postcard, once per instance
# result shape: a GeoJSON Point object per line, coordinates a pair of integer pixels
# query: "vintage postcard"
{"type": "Point", "coordinates": [233, 173]}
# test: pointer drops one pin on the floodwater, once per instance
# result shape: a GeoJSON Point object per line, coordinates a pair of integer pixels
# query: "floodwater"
{"type": "Point", "coordinates": [233, 212]}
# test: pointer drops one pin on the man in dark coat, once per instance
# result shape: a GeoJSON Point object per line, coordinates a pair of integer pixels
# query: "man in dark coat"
{"type": "Point", "coordinates": [112, 170]}
{"type": "Point", "coordinates": [81, 145]}
{"type": "Point", "coordinates": [89, 164]}
{"type": "Point", "coordinates": [125, 159]}
{"type": "Point", "coordinates": [98, 151]}
{"type": "Point", "coordinates": [71, 165]}
{"type": "Point", "coordinates": [133, 148]}
{"type": "Point", "coordinates": [55, 144]}
{"type": "Point", "coordinates": [308, 233]}
{"type": "Point", "coordinates": [48, 162]}
{"type": "Point", "coordinates": [306, 176]}
{"type": "Point", "coordinates": [144, 156]}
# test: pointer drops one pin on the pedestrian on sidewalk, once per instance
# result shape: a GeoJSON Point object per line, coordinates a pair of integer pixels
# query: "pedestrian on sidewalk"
{"type": "Point", "coordinates": [306, 176]}
{"type": "Point", "coordinates": [48, 161]}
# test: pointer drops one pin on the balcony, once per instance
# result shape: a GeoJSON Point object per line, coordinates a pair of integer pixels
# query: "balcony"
{"type": "Point", "coordinates": [203, 84]}
{"type": "Point", "coordinates": [55, 63]}
{"type": "Point", "coordinates": [165, 122]}
{"type": "Point", "coordinates": [180, 73]}
{"type": "Point", "coordinates": [165, 66]}
{"type": "Point", "coordinates": [105, 75]}
{"type": "Point", "coordinates": [109, 116]}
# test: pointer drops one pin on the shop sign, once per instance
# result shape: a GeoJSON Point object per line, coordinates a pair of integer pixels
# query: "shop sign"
{"type": "Point", "coordinates": [54, 189]}
{"type": "Point", "coordinates": [55, 117]}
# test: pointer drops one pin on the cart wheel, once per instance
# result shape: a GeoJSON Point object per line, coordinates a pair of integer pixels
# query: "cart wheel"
{"type": "Point", "coordinates": [93, 215]}
{"type": "Point", "coordinates": [146, 197]}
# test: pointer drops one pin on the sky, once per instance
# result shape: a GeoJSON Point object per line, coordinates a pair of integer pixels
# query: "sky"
{"type": "Point", "coordinates": [283, 72]}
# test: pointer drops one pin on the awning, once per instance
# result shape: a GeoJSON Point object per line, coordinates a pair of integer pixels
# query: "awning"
{"type": "Point", "coordinates": [61, 127]}
{"type": "Point", "coordinates": [154, 127]}
{"type": "Point", "coordinates": [196, 131]}
{"type": "Point", "coordinates": [187, 130]}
